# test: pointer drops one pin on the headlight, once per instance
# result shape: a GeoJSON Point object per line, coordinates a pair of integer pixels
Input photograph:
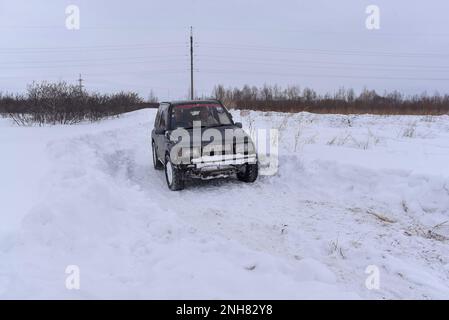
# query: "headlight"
{"type": "Point", "coordinates": [249, 147]}
{"type": "Point", "coordinates": [246, 148]}
{"type": "Point", "coordinates": [187, 152]}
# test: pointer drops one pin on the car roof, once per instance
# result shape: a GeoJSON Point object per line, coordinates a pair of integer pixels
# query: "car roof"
{"type": "Point", "coordinates": [181, 102]}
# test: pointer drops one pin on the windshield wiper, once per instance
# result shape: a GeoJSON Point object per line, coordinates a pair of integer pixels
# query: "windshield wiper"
{"type": "Point", "coordinates": [201, 127]}
{"type": "Point", "coordinates": [219, 125]}
{"type": "Point", "coordinates": [211, 126]}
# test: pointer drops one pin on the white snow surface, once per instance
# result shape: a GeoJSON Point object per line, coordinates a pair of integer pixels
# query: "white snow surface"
{"type": "Point", "coordinates": [351, 191]}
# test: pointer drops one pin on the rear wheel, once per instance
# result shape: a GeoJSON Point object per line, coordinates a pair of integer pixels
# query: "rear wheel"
{"type": "Point", "coordinates": [173, 176]}
{"type": "Point", "coordinates": [156, 163]}
{"type": "Point", "coordinates": [249, 173]}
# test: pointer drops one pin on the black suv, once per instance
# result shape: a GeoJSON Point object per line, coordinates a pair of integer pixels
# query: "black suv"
{"type": "Point", "coordinates": [199, 139]}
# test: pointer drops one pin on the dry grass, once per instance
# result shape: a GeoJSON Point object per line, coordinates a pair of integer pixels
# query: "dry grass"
{"type": "Point", "coordinates": [381, 217]}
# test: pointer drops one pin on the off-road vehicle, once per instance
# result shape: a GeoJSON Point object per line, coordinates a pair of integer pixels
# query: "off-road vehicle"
{"type": "Point", "coordinates": [199, 139]}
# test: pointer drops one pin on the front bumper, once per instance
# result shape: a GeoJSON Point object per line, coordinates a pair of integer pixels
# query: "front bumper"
{"type": "Point", "coordinates": [223, 160]}
{"type": "Point", "coordinates": [220, 166]}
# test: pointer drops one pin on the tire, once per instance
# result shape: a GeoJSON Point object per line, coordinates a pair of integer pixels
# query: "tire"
{"type": "Point", "coordinates": [156, 163]}
{"type": "Point", "coordinates": [249, 173]}
{"type": "Point", "coordinates": [173, 176]}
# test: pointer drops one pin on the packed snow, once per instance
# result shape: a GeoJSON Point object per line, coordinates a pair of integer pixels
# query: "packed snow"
{"type": "Point", "coordinates": [350, 192]}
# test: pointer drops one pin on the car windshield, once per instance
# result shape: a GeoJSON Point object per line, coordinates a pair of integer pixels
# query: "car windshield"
{"type": "Point", "coordinates": [204, 115]}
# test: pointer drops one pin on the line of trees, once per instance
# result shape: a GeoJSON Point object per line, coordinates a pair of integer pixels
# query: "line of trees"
{"type": "Point", "coordinates": [63, 103]}
{"type": "Point", "coordinates": [344, 101]}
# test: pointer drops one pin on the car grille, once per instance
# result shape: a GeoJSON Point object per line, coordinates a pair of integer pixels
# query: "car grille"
{"type": "Point", "coordinates": [230, 149]}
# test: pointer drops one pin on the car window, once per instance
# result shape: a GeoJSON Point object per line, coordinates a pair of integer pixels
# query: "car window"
{"type": "Point", "coordinates": [163, 120]}
{"type": "Point", "coordinates": [158, 119]}
{"type": "Point", "coordinates": [209, 115]}
{"type": "Point", "coordinates": [161, 117]}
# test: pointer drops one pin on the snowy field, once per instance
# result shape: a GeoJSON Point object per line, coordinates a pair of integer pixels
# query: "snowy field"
{"type": "Point", "coordinates": [351, 191]}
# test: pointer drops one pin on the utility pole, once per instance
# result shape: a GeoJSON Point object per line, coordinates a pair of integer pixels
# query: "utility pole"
{"type": "Point", "coordinates": [191, 64]}
{"type": "Point", "coordinates": [80, 81]}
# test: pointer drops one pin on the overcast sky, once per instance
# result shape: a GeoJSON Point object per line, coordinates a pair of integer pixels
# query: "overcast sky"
{"type": "Point", "coordinates": [142, 45]}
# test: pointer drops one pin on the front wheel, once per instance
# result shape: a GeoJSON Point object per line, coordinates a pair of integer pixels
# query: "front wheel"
{"type": "Point", "coordinates": [173, 176]}
{"type": "Point", "coordinates": [249, 173]}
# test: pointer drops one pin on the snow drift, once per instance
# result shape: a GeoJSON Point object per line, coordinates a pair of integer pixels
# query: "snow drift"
{"type": "Point", "coordinates": [351, 191]}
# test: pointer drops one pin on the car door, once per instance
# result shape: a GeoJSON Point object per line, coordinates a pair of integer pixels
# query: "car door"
{"type": "Point", "coordinates": [160, 129]}
{"type": "Point", "coordinates": [155, 128]}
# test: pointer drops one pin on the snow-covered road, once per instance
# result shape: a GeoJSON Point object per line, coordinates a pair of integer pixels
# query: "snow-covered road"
{"type": "Point", "coordinates": [351, 191]}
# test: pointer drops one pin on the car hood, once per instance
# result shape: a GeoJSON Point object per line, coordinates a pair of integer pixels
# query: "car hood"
{"type": "Point", "coordinates": [214, 135]}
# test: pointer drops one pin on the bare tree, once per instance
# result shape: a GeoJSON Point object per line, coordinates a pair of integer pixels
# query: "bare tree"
{"type": "Point", "coordinates": [343, 101]}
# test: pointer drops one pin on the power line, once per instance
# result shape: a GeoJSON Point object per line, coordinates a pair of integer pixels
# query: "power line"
{"type": "Point", "coordinates": [262, 60]}
{"type": "Point", "coordinates": [336, 66]}
{"type": "Point", "coordinates": [307, 67]}
{"type": "Point", "coordinates": [233, 60]}
{"type": "Point", "coordinates": [134, 58]}
{"type": "Point", "coordinates": [320, 75]}
{"type": "Point", "coordinates": [241, 29]}
{"type": "Point", "coordinates": [155, 45]}
{"type": "Point", "coordinates": [309, 31]}
{"type": "Point", "coordinates": [321, 51]}
{"type": "Point", "coordinates": [158, 72]}
{"type": "Point", "coordinates": [90, 64]}
{"type": "Point", "coordinates": [33, 50]}
{"type": "Point", "coordinates": [221, 46]}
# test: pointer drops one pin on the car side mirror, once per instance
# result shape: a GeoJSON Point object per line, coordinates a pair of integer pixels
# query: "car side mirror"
{"type": "Point", "coordinates": [238, 125]}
